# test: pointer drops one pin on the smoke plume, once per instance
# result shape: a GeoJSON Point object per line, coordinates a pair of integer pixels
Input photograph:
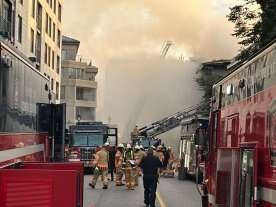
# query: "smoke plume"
{"type": "Point", "coordinates": [124, 38]}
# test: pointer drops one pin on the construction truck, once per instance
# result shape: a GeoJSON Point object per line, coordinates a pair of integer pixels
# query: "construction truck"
{"type": "Point", "coordinates": [85, 138]}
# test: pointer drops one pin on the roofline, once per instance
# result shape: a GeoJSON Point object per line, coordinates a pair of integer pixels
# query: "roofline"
{"type": "Point", "coordinates": [234, 68]}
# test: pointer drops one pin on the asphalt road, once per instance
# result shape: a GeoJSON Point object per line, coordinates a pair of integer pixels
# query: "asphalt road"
{"type": "Point", "coordinates": [171, 193]}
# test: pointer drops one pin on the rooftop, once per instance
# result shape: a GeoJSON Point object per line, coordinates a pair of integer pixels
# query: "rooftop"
{"type": "Point", "coordinates": [69, 40]}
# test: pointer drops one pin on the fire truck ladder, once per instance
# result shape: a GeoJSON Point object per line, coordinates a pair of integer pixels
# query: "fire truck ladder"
{"type": "Point", "coordinates": [173, 121]}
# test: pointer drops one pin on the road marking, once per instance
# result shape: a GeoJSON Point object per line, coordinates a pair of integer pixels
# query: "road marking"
{"type": "Point", "coordinates": [160, 199]}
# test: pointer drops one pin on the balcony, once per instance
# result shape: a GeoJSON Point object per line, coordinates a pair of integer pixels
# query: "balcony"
{"type": "Point", "coordinates": [79, 74]}
{"type": "Point", "coordinates": [5, 28]}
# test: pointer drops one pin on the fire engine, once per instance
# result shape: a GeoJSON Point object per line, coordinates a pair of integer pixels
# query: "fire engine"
{"type": "Point", "coordinates": [86, 137]}
{"type": "Point", "coordinates": [31, 134]}
{"type": "Point", "coordinates": [190, 149]}
{"type": "Point", "coordinates": [241, 164]}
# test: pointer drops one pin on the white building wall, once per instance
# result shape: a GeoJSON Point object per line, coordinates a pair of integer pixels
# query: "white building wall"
{"type": "Point", "coordinates": [53, 72]}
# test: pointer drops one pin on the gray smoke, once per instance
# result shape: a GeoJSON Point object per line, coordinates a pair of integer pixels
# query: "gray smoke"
{"type": "Point", "coordinates": [124, 39]}
{"type": "Point", "coordinates": [134, 97]}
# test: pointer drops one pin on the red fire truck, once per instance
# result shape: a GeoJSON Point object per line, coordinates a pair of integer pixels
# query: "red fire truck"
{"type": "Point", "coordinates": [26, 179]}
{"type": "Point", "coordinates": [241, 164]}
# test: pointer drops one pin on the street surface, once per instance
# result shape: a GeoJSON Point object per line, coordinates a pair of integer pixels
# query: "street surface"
{"type": "Point", "coordinates": [171, 193]}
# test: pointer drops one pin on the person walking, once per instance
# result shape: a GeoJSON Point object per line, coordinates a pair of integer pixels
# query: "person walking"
{"type": "Point", "coordinates": [129, 168]}
{"type": "Point", "coordinates": [171, 158]}
{"type": "Point", "coordinates": [119, 164]}
{"type": "Point", "coordinates": [111, 162]}
{"type": "Point", "coordinates": [150, 165]}
{"type": "Point", "coordinates": [101, 167]}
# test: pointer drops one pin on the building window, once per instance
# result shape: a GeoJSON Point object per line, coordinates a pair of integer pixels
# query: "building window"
{"type": "Point", "coordinates": [50, 26]}
{"type": "Point", "coordinates": [53, 59]}
{"type": "Point", "coordinates": [85, 94]}
{"type": "Point", "coordinates": [52, 84]}
{"type": "Point", "coordinates": [19, 29]}
{"type": "Point", "coordinates": [33, 8]}
{"type": "Point", "coordinates": [59, 12]}
{"type": "Point", "coordinates": [62, 92]}
{"type": "Point", "coordinates": [46, 54]}
{"type": "Point", "coordinates": [59, 38]}
{"type": "Point", "coordinates": [38, 47]}
{"type": "Point", "coordinates": [57, 90]}
{"type": "Point", "coordinates": [55, 6]}
{"type": "Point", "coordinates": [21, 2]}
{"type": "Point", "coordinates": [58, 64]}
{"type": "Point", "coordinates": [54, 32]}
{"type": "Point", "coordinates": [46, 23]}
{"type": "Point", "coordinates": [86, 113]}
{"type": "Point", "coordinates": [39, 16]}
{"type": "Point", "coordinates": [49, 56]}
{"type": "Point", "coordinates": [32, 40]}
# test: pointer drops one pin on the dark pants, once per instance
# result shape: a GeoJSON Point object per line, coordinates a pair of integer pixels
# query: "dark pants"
{"type": "Point", "coordinates": [111, 170]}
{"type": "Point", "coordinates": [150, 185]}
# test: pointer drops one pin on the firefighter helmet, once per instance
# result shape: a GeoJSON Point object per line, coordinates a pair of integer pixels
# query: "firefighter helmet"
{"type": "Point", "coordinates": [120, 145]}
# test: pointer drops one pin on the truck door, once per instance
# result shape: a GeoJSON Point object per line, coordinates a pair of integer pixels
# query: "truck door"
{"type": "Point", "coordinates": [51, 119]}
{"type": "Point", "coordinates": [248, 178]}
{"type": "Point", "coordinates": [42, 184]}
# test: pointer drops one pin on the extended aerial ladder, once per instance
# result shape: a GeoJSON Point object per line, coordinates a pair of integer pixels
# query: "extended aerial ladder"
{"type": "Point", "coordinates": [172, 121]}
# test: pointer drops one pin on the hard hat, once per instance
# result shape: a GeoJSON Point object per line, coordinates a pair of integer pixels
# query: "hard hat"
{"type": "Point", "coordinates": [141, 147]}
{"type": "Point", "coordinates": [153, 147]}
{"type": "Point", "coordinates": [169, 147]}
{"type": "Point", "coordinates": [121, 145]}
{"type": "Point", "coordinates": [137, 147]}
{"type": "Point", "coordinates": [128, 146]}
{"type": "Point", "coordinates": [106, 144]}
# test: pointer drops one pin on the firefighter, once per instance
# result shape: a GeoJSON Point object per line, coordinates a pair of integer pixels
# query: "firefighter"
{"type": "Point", "coordinates": [129, 168]}
{"type": "Point", "coordinates": [118, 164]}
{"type": "Point", "coordinates": [128, 153]}
{"type": "Point", "coordinates": [159, 153]}
{"type": "Point", "coordinates": [135, 132]}
{"type": "Point", "coordinates": [141, 154]}
{"type": "Point", "coordinates": [137, 162]}
{"type": "Point", "coordinates": [101, 167]}
{"type": "Point", "coordinates": [171, 158]}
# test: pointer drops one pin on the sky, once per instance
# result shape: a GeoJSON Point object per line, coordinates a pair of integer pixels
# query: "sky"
{"type": "Point", "coordinates": [128, 28]}
{"type": "Point", "coordinates": [124, 39]}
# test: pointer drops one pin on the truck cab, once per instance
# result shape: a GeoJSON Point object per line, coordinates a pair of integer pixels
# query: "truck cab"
{"type": "Point", "coordinates": [86, 138]}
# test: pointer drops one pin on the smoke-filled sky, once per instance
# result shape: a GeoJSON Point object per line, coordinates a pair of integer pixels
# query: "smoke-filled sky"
{"type": "Point", "coordinates": [123, 28]}
{"type": "Point", "coordinates": [125, 37]}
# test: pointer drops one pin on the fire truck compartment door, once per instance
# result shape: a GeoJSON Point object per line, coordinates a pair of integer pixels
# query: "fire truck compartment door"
{"type": "Point", "coordinates": [77, 166]}
{"type": "Point", "coordinates": [44, 187]}
{"type": "Point", "coordinates": [248, 178]}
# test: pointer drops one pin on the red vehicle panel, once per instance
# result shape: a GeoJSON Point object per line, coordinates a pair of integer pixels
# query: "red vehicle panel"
{"type": "Point", "coordinates": [23, 147]}
{"type": "Point", "coordinates": [33, 187]}
{"type": "Point", "coordinates": [242, 146]}
{"type": "Point", "coordinates": [77, 166]}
